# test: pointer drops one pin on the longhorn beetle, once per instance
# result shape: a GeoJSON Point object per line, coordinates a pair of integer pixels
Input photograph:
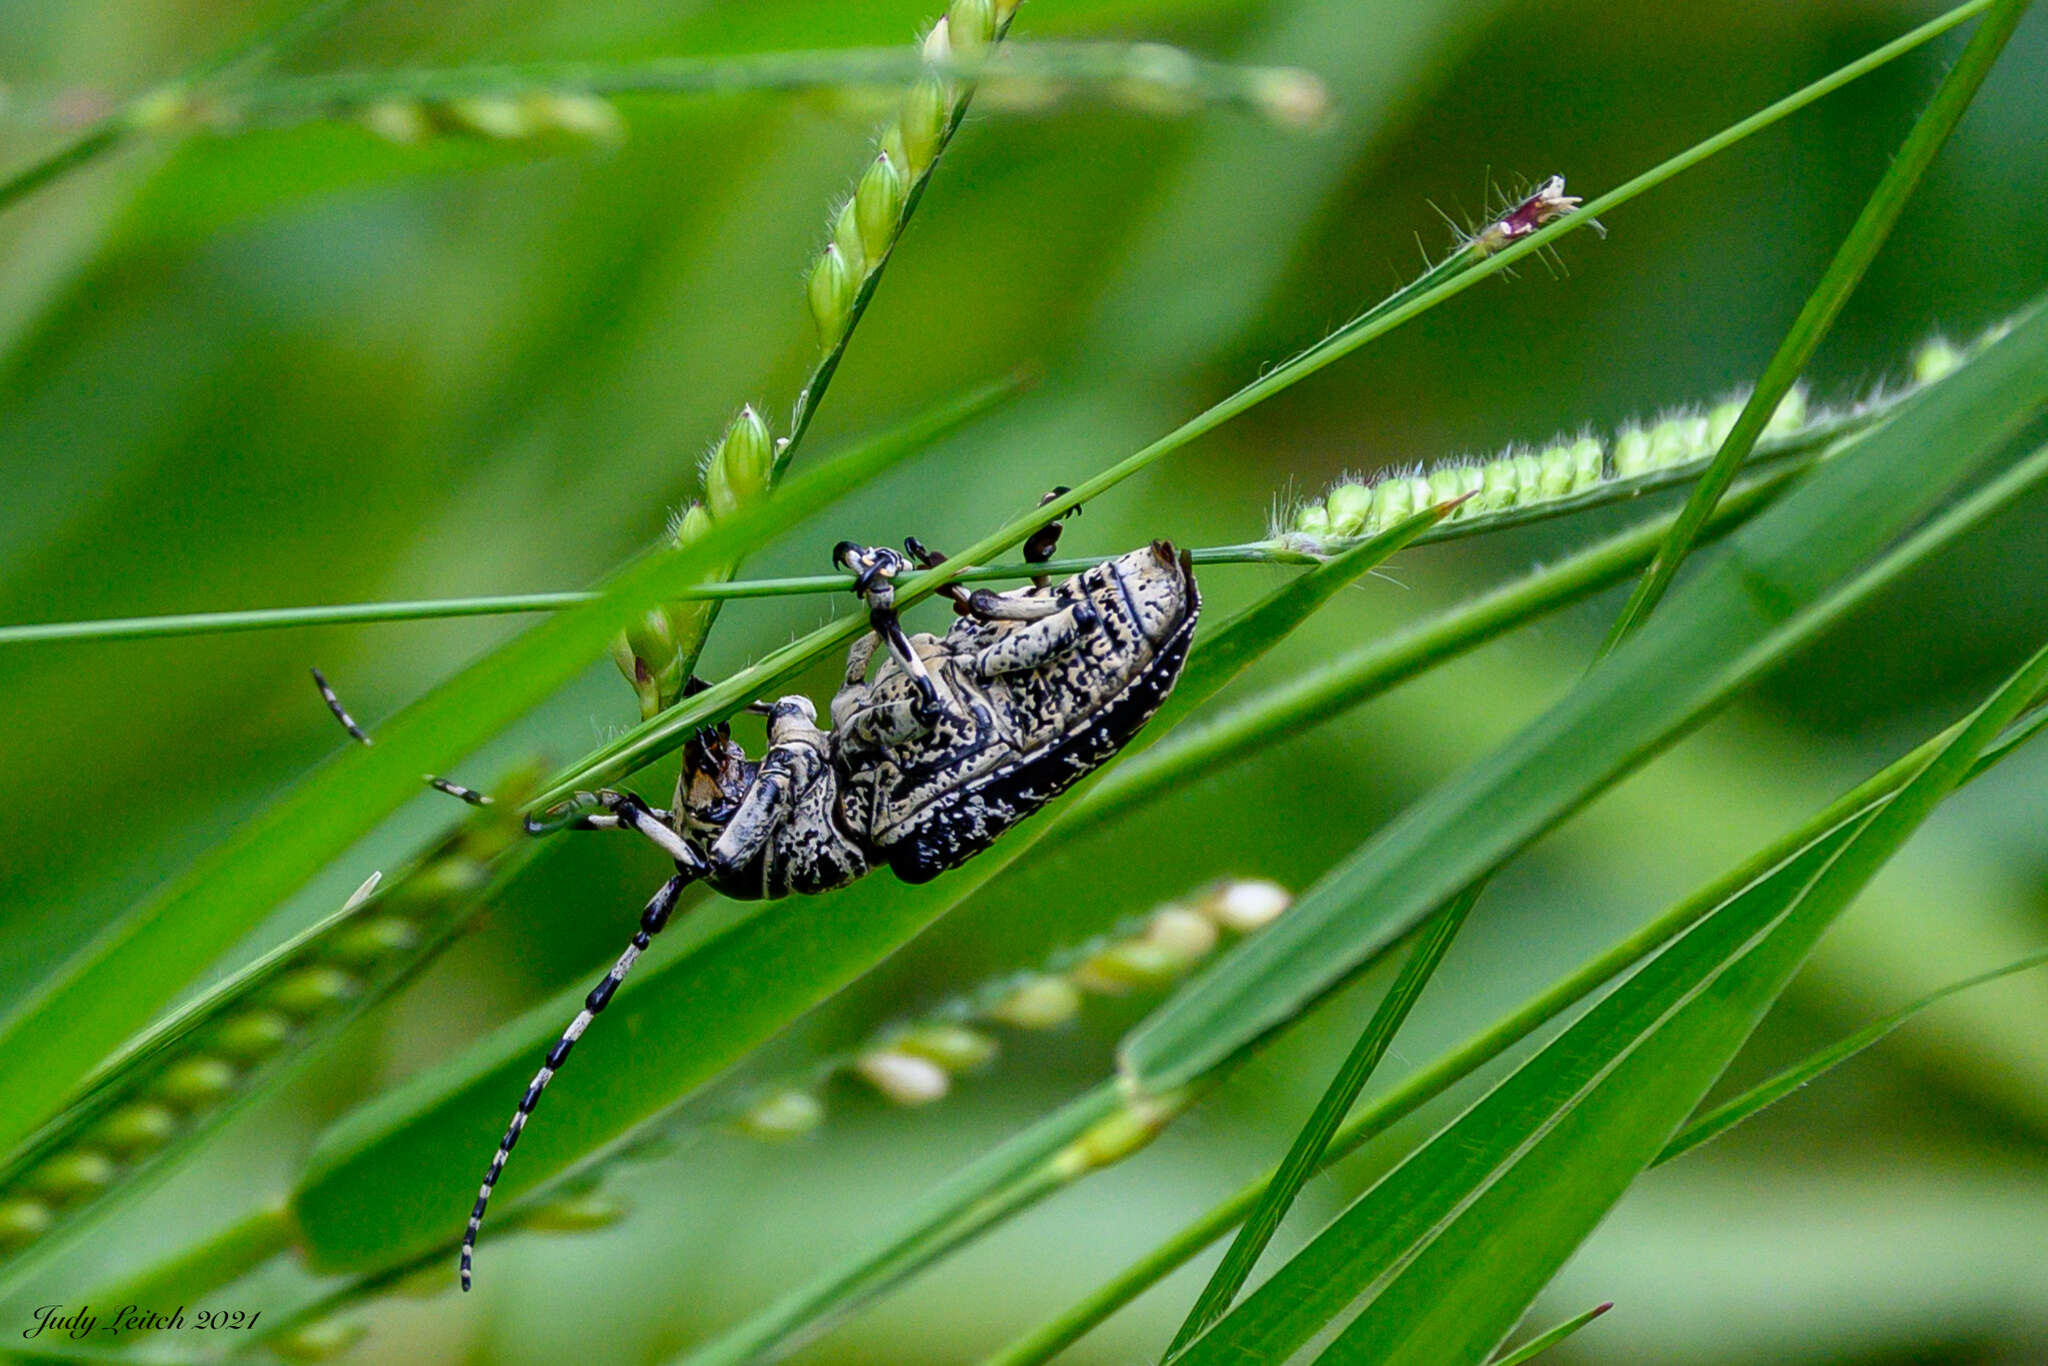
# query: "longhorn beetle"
{"type": "Point", "coordinates": [953, 740]}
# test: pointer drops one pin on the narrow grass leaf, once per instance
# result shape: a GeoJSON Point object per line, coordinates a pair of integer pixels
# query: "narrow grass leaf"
{"type": "Point", "coordinates": [1305, 1154]}
{"type": "Point", "coordinates": [1765, 592]}
{"type": "Point", "coordinates": [1452, 1245]}
{"type": "Point", "coordinates": [1873, 225]}
{"type": "Point", "coordinates": [1549, 1338]}
{"type": "Point", "coordinates": [1436, 1078]}
{"type": "Point", "coordinates": [146, 1110]}
{"type": "Point", "coordinates": [1736, 1110]}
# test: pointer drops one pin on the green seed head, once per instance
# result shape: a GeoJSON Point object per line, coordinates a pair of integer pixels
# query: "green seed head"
{"type": "Point", "coordinates": [1445, 485]}
{"type": "Point", "coordinates": [582, 1213]}
{"type": "Point", "coordinates": [952, 1046]}
{"type": "Point", "coordinates": [81, 1171]}
{"type": "Point", "coordinates": [1631, 453]}
{"type": "Point", "coordinates": [1117, 1136]}
{"type": "Point", "coordinates": [376, 938]}
{"type": "Point", "coordinates": [904, 1077]}
{"type": "Point", "coordinates": [1186, 935]}
{"type": "Point", "coordinates": [193, 1082]}
{"type": "Point", "coordinates": [1498, 487]}
{"type": "Point", "coordinates": [1677, 440]}
{"type": "Point", "coordinates": [1587, 463]}
{"type": "Point", "coordinates": [492, 117]}
{"type": "Point", "coordinates": [1041, 1001]}
{"type": "Point", "coordinates": [1122, 968]}
{"type": "Point", "coordinates": [311, 990]}
{"type": "Point", "coordinates": [923, 123]}
{"type": "Point", "coordinates": [1790, 414]}
{"type": "Point", "coordinates": [1934, 360]}
{"type": "Point", "coordinates": [1245, 904]}
{"type": "Point", "coordinates": [136, 1128]}
{"type": "Point", "coordinates": [1350, 508]}
{"type": "Point", "coordinates": [738, 476]}
{"type": "Point", "coordinates": [878, 206]}
{"type": "Point", "coordinates": [785, 1114]}
{"type": "Point", "coordinates": [846, 237]}
{"type": "Point", "coordinates": [1313, 520]}
{"type": "Point", "coordinates": [1528, 479]}
{"type": "Point", "coordinates": [577, 114]}
{"type": "Point", "coordinates": [1555, 481]}
{"type": "Point", "coordinates": [833, 286]}
{"type": "Point", "coordinates": [689, 526]}
{"type": "Point", "coordinates": [402, 121]}
{"type": "Point", "coordinates": [1721, 420]}
{"type": "Point", "coordinates": [1392, 501]}
{"type": "Point", "coordinates": [22, 1221]}
{"type": "Point", "coordinates": [971, 26]}
{"type": "Point", "coordinates": [250, 1035]}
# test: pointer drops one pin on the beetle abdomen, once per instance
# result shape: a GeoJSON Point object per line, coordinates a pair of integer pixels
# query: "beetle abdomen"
{"type": "Point", "coordinates": [1051, 725]}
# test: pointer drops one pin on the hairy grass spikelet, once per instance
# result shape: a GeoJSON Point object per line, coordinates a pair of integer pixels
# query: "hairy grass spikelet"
{"type": "Point", "coordinates": [1570, 468]}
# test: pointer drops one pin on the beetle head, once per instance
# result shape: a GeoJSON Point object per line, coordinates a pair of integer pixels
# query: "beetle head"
{"type": "Point", "coordinates": [715, 776]}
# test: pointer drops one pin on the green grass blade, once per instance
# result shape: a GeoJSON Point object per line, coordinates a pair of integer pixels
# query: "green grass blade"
{"type": "Point", "coordinates": [1866, 237]}
{"type": "Point", "coordinates": [1769, 589]}
{"type": "Point", "coordinates": [1453, 1244]}
{"type": "Point", "coordinates": [1549, 1338]}
{"type": "Point", "coordinates": [1727, 1115]}
{"type": "Point", "coordinates": [1015, 1174]}
{"type": "Point", "coordinates": [145, 1111]}
{"type": "Point", "coordinates": [1436, 1078]}
{"type": "Point", "coordinates": [360, 613]}
{"type": "Point", "coordinates": [1305, 1155]}
{"type": "Point", "coordinates": [53, 1039]}
{"type": "Point", "coordinates": [1125, 67]}
{"type": "Point", "coordinates": [388, 1181]}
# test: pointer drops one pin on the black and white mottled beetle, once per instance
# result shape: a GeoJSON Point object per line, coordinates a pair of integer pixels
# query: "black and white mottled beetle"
{"type": "Point", "coordinates": [953, 740]}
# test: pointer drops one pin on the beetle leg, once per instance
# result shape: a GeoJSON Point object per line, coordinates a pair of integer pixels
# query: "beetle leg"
{"type": "Point", "coordinates": [928, 558]}
{"type": "Point", "coordinates": [622, 811]}
{"type": "Point", "coordinates": [1039, 546]}
{"type": "Point", "coordinates": [1039, 643]}
{"type": "Point", "coordinates": [875, 568]}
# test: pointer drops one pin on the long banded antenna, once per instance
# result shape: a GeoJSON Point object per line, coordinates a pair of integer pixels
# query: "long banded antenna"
{"type": "Point", "coordinates": [348, 723]}
{"type": "Point", "coordinates": [651, 920]}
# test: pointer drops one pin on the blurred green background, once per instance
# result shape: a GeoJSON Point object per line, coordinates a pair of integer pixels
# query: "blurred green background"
{"type": "Point", "coordinates": [308, 366]}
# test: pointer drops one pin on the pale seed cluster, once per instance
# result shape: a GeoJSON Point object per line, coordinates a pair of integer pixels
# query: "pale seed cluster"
{"type": "Point", "coordinates": [916, 1063]}
{"type": "Point", "coordinates": [231, 1045]}
{"type": "Point", "coordinates": [1572, 467]}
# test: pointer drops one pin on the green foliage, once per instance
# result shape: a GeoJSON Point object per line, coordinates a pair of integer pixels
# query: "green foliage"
{"type": "Point", "coordinates": [351, 309]}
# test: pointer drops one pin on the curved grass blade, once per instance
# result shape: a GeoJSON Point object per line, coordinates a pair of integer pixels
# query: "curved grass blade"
{"type": "Point", "coordinates": [1453, 1244]}
{"type": "Point", "coordinates": [1435, 1079]}
{"type": "Point", "coordinates": [1866, 237]}
{"type": "Point", "coordinates": [1549, 1338]}
{"type": "Point", "coordinates": [1871, 229]}
{"type": "Point", "coordinates": [1123, 67]}
{"type": "Point", "coordinates": [1766, 591]}
{"type": "Point", "coordinates": [146, 1110]}
{"type": "Point", "coordinates": [53, 1039]}
{"type": "Point", "coordinates": [1311, 1145]}
{"type": "Point", "coordinates": [1727, 1115]}
{"type": "Point", "coordinates": [388, 1180]}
